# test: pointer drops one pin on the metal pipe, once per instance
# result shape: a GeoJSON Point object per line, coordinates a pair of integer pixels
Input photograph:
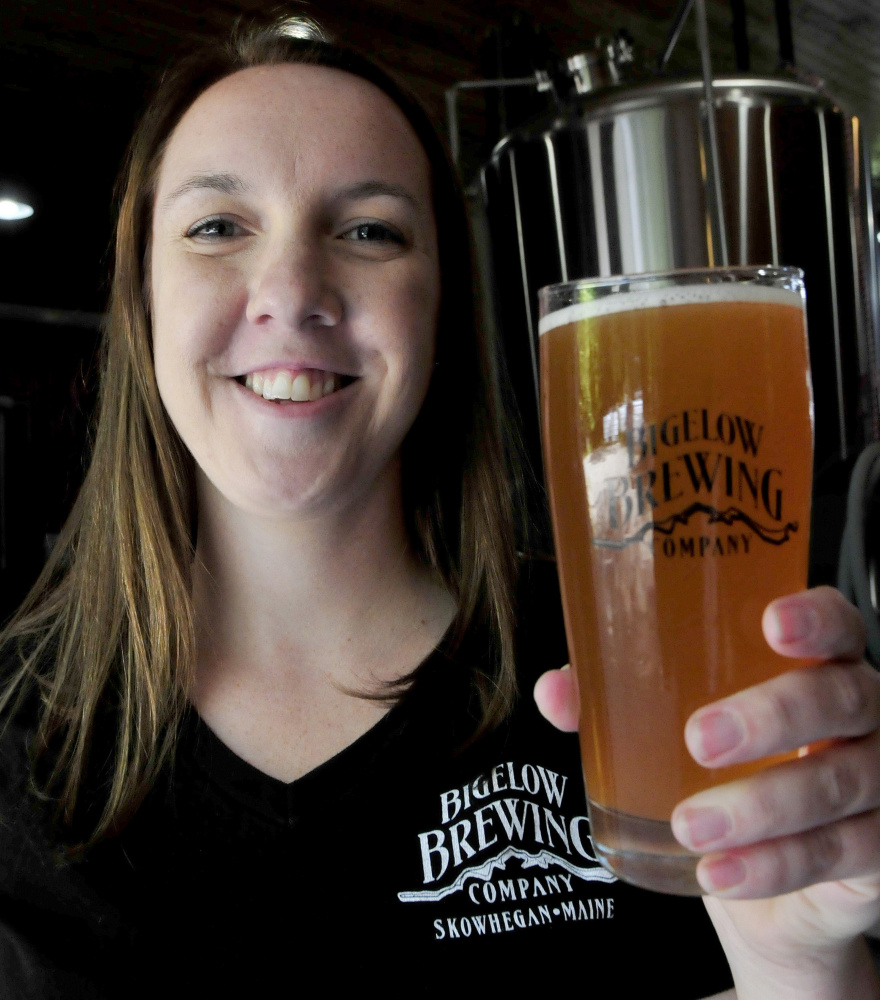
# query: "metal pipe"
{"type": "Point", "coordinates": [557, 208]}
{"type": "Point", "coordinates": [681, 15]}
{"type": "Point", "coordinates": [714, 197]}
{"type": "Point", "coordinates": [771, 188]}
{"type": "Point", "coordinates": [452, 102]}
{"type": "Point", "coordinates": [870, 274]}
{"type": "Point", "coordinates": [533, 355]}
{"type": "Point", "coordinates": [832, 287]}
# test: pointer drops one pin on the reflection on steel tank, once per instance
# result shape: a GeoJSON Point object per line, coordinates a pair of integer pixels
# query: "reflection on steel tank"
{"type": "Point", "coordinates": [615, 182]}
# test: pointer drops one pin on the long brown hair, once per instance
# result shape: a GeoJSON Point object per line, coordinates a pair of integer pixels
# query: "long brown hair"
{"type": "Point", "coordinates": [107, 631]}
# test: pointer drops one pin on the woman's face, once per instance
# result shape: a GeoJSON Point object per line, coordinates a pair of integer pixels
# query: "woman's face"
{"type": "Point", "coordinates": [294, 248]}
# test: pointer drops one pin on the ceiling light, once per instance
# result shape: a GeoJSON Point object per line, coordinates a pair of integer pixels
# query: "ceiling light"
{"type": "Point", "coordinates": [11, 210]}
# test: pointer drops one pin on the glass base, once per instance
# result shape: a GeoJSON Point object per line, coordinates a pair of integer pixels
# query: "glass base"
{"type": "Point", "coordinates": [643, 852]}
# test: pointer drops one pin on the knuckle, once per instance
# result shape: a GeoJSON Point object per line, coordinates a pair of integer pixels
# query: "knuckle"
{"type": "Point", "coordinates": [788, 874]}
{"type": "Point", "coordinates": [782, 712]}
{"type": "Point", "coordinates": [764, 810]}
{"type": "Point", "coordinates": [841, 624]}
{"type": "Point", "coordinates": [837, 786]}
{"type": "Point", "coordinates": [868, 769]}
{"type": "Point", "coordinates": [823, 850]}
{"type": "Point", "coordinates": [775, 870]}
{"type": "Point", "coordinates": [849, 693]}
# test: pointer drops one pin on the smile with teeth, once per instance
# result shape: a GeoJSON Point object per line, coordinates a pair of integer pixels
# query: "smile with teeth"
{"type": "Point", "coordinates": [299, 387]}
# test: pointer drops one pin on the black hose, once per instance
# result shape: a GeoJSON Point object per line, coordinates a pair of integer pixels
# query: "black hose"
{"type": "Point", "coordinates": [740, 35]}
{"type": "Point", "coordinates": [783, 30]}
{"type": "Point", "coordinates": [854, 566]}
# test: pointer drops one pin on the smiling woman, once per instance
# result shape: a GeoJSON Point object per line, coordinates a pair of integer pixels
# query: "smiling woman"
{"type": "Point", "coordinates": [276, 231]}
{"type": "Point", "coordinates": [282, 193]}
{"type": "Point", "coordinates": [259, 704]}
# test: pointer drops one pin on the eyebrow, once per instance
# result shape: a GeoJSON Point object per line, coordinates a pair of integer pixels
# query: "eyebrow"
{"type": "Point", "coordinates": [225, 183]}
{"type": "Point", "coordinates": [231, 184]}
{"type": "Point", "coordinates": [372, 189]}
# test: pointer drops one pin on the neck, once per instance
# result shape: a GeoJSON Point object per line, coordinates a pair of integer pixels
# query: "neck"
{"type": "Point", "coordinates": [314, 591]}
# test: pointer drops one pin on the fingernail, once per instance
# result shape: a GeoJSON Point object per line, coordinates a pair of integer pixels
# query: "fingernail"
{"type": "Point", "coordinates": [794, 621]}
{"type": "Point", "coordinates": [704, 826]}
{"type": "Point", "coordinates": [718, 732]}
{"type": "Point", "coordinates": [722, 873]}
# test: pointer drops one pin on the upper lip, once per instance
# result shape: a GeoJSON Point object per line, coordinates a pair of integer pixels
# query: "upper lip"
{"type": "Point", "coordinates": [310, 364]}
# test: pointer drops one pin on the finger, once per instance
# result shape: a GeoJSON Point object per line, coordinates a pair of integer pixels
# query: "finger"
{"type": "Point", "coordinates": [828, 701]}
{"type": "Point", "coordinates": [816, 624]}
{"type": "Point", "coordinates": [789, 798]}
{"type": "Point", "coordinates": [556, 698]}
{"type": "Point", "coordinates": [845, 850]}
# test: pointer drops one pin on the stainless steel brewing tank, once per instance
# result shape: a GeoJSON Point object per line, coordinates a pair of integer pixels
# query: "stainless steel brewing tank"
{"type": "Point", "coordinates": [615, 183]}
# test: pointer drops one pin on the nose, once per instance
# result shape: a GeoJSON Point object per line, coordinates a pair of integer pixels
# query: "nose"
{"type": "Point", "coordinates": [293, 288]}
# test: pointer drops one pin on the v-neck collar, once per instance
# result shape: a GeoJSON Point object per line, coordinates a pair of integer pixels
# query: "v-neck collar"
{"type": "Point", "coordinates": [423, 718]}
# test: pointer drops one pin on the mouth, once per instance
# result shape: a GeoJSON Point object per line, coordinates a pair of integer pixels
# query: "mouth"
{"type": "Point", "coordinates": [295, 386]}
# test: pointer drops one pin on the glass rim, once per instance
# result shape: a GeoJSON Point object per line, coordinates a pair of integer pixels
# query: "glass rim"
{"type": "Point", "coordinates": [736, 274]}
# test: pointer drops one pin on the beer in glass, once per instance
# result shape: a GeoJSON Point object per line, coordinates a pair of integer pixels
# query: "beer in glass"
{"type": "Point", "coordinates": [677, 430]}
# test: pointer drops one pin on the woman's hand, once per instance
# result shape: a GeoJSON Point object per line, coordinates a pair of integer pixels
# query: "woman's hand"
{"type": "Point", "coordinates": [791, 855]}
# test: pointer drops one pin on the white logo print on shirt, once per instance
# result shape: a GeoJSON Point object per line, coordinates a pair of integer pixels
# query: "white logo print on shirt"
{"type": "Point", "coordinates": [516, 812]}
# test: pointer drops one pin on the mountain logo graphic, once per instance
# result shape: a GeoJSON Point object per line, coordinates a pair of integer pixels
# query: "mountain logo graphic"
{"type": "Point", "coordinates": [484, 872]}
{"type": "Point", "coordinates": [730, 516]}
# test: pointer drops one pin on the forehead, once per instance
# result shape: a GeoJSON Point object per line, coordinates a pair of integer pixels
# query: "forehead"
{"type": "Point", "coordinates": [307, 117]}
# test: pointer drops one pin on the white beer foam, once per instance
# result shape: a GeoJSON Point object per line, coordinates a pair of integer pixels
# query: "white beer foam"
{"type": "Point", "coordinates": [677, 295]}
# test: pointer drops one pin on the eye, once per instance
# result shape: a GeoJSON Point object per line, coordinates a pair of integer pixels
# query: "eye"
{"type": "Point", "coordinates": [373, 232]}
{"type": "Point", "coordinates": [217, 227]}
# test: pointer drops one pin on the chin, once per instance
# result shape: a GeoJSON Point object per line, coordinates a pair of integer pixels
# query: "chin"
{"type": "Point", "coordinates": [270, 497]}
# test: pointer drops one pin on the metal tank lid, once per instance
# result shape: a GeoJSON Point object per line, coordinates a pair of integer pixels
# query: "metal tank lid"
{"type": "Point", "coordinates": [616, 100]}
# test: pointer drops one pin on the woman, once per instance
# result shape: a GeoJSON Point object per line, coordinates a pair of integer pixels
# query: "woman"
{"type": "Point", "coordinates": [295, 515]}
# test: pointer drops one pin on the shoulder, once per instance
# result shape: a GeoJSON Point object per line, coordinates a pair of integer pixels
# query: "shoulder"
{"type": "Point", "coordinates": [52, 919]}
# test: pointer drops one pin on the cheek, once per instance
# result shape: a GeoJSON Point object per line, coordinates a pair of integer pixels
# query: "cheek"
{"type": "Point", "coordinates": [170, 318]}
{"type": "Point", "coordinates": [193, 314]}
{"type": "Point", "coordinates": [165, 350]}
{"type": "Point", "coordinates": [420, 304]}
{"type": "Point", "coordinates": [172, 342]}
{"type": "Point", "coordinates": [415, 332]}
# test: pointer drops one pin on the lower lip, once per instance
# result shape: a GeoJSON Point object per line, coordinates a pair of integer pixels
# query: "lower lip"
{"type": "Point", "coordinates": [290, 410]}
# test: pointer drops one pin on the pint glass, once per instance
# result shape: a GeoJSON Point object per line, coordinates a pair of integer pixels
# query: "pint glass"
{"type": "Point", "coordinates": [677, 428]}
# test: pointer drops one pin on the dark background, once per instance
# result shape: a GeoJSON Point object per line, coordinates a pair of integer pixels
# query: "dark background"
{"type": "Point", "coordinates": [75, 74]}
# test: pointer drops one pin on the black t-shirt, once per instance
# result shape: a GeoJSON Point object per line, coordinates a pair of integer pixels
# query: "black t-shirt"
{"type": "Point", "coordinates": [406, 860]}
